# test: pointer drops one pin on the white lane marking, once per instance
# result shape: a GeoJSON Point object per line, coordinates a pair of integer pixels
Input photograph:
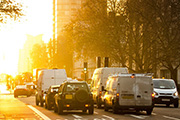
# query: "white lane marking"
{"type": "Point", "coordinates": [95, 112]}
{"type": "Point", "coordinates": [38, 112]}
{"type": "Point", "coordinates": [108, 117]}
{"type": "Point", "coordinates": [153, 113]}
{"type": "Point", "coordinates": [172, 118]}
{"type": "Point", "coordinates": [139, 117]}
{"type": "Point", "coordinates": [77, 116]}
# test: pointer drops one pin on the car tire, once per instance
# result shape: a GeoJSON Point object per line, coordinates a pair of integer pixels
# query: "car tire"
{"type": "Point", "coordinates": [115, 110]}
{"type": "Point", "coordinates": [91, 110]}
{"type": "Point", "coordinates": [149, 111]}
{"type": "Point", "coordinates": [37, 101]}
{"type": "Point", "coordinates": [105, 106]}
{"type": "Point", "coordinates": [41, 102]}
{"type": "Point", "coordinates": [55, 108]}
{"type": "Point", "coordinates": [15, 96]}
{"type": "Point", "coordinates": [176, 104]}
{"type": "Point", "coordinates": [82, 96]}
{"type": "Point", "coordinates": [60, 109]}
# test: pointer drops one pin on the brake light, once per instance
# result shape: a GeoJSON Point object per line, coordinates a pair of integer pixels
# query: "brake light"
{"type": "Point", "coordinates": [117, 96]}
{"type": "Point", "coordinates": [100, 93]}
{"type": "Point", "coordinates": [153, 94]}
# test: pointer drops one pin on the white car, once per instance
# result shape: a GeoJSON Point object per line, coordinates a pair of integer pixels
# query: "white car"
{"type": "Point", "coordinates": [165, 91]}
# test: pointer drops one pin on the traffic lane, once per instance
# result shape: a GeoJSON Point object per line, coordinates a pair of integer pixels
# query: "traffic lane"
{"type": "Point", "coordinates": [167, 111]}
{"type": "Point", "coordinates": [159, 113]}
{"type": "Point", "coordinates": [12, 108]}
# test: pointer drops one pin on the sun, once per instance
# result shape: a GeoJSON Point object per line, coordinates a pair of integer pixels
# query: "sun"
{"type": "Point", "coordinates": [37, 20]}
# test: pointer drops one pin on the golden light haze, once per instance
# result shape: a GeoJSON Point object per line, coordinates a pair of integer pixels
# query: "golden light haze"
{"type": "Point", "coordinates": [37, 20]}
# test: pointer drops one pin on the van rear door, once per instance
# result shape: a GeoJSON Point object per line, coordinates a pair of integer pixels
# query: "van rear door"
{"type": "Point", "coordinates": [127, 90]}
{"type": "Point", "coordinates": [143, 90]}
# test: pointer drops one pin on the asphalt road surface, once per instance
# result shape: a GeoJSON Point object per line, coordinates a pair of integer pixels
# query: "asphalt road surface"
{"type": "Point", "coordinates": [24, 108]}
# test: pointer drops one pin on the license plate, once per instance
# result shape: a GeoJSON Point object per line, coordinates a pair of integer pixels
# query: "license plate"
{"type": "Point", "coordinates": [68, 96]}
{"type": "Point", "coordinates": [165, 99]}
{"type": "Point", "coordinates": [127, 96]}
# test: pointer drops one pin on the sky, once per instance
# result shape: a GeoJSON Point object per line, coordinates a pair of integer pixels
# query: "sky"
{"type": "Point", "coordinates": [37, 20]}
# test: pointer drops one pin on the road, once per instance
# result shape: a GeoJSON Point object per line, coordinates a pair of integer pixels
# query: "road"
{"type": "Point", "coordinates": [24, 108]}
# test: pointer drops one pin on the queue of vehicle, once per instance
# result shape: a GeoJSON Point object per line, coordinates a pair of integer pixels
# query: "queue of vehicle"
{"type": "Point", "coordinates": [114, 88]}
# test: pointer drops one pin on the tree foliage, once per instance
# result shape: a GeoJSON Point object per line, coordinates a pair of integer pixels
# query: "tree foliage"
{"type": "Point", "coordinates": [139, 34]}
{"type": "Point", "coordinates": [9, 9]}
{"type": "Point", "coordinates": [39, 56]}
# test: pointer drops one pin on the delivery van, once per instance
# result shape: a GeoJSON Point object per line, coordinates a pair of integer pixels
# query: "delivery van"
{"type": "Point", "coordinates": [129, 91]}
{"type": "Point", "coordinates": [46, 78]}
{"type": "Point", "coordinates": [99, 79]}
{"type": "Point", "coordinates": [165, 91]}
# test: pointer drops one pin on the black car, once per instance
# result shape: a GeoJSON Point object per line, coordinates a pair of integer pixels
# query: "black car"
{"type": "Point", "coordinates": [49, 98]}
{"type": "Point", "coordinates": [74, 95]}
{"type": "Point", "coordinates": [21, 90]}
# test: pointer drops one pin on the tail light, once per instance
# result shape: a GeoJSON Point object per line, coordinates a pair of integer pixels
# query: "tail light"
{"type": "Point", "coordinates": [153, 94]}
{"type": "Point", "coordinates": [117, 96]}
{"type": "Point", "coordinates": [100, 94]}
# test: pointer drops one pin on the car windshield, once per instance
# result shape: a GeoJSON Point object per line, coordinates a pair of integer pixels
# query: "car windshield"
{"type": "Point", "coordinates": [163, 84]}
{"type": "Point", "coordinates": [75, 86]}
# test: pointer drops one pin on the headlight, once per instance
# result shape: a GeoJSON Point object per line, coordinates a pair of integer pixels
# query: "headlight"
{"type": "Point", "coordinates": [155, 93]}
{"type": "Point", "coordinates": [176, 93]}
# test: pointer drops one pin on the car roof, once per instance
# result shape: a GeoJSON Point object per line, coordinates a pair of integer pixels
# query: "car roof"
{"type": "Point", "coordinates": [21, 86]}
{"type": "Point", "coordinates": [53, 86]}
{"type": "Point", "coordinates": [75, 82]}
{"type": "Point", "coordinates": [163, 79]}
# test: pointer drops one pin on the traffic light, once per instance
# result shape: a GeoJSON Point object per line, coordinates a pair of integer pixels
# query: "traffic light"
{"type": "Point", "coordinates": [85, 66]}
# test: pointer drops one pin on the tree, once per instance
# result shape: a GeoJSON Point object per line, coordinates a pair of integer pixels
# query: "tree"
{"type": "Point", "coordinates": [163, 19]}
{"type": "Point", "coordinates": [39, 56]}
{"type": "Point", "coordinates": [9, 9]}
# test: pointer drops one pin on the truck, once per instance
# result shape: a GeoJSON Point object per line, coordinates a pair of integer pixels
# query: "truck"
{"type": "Point", "coordinates": [99, 79]}
{"type": "Point", "coordinates": [129, 91]}
{"type": "Point", "coordinates": [46, 78]}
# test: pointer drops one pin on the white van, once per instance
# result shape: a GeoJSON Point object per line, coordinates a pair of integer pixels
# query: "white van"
{"type": "Point", "coordinates": [165, 92]}
{"type": "Point", "coordinates": [129, 91]}
{"type": "Point", "coordinates": [99, 79]}
{"type": "Point", "coordinates": [48, 77]}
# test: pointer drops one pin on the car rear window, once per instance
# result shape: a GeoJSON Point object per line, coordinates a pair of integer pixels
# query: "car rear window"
{"type": "Point", "coordinates": [75, 86]}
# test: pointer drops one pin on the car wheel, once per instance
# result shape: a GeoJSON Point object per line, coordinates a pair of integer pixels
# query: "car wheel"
{"type": "Point", "coordinates": [176, 104]}
{"type": "Point", "coordinates": [91, 110]}
{"type": "Point", "coordinates": [60, 109]}
{"type": "Point", "coordinates": [105, 106]}
{"type": "Point", "coordinates": [81, 96]}
{"type": "Point", "coordinates": [55, 108]}
{"type": "Point", "coordinates": [15, 96]}
{"type": "Point", "coordinates": [37, 101]}
{"type": "Point", "coordinates": [115, 110]}
{"type": "Point", "coordinates": [41, 102]}
{"type": "Point", "coordinates": [149, 111]}
{"type": "Point", "coordinates": [48, 106]}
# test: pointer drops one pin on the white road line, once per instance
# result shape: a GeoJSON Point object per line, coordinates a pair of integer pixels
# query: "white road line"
{"type": "Point", "coordinates": [95, 112]}
{"type": "Point", "coordinates": [139, 117]}
{"type": "Point", "coordinates": [153, 113]}
{"type": "Point", "coordinates": [108, 117]}
{"type": "Point", "coordinates": [38, 112]}
{"type": "Point", "coordinates": [172, 118]}
{"type": "Point", "coordinates": [77, 116]}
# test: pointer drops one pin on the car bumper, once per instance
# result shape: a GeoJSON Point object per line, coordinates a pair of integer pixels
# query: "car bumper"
{"type": "Point", "coordinates": [165, 100]}
{"type": "Point", "coordinates": [77, 106]}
